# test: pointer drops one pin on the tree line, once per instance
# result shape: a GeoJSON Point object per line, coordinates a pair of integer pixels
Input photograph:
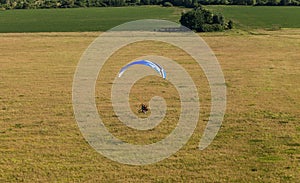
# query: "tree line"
{"type": "Point", "coordinates": [36, 4]}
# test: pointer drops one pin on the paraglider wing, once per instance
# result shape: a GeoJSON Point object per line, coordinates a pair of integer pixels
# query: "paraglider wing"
{"type": "Point", "coordinates": [148, 63]}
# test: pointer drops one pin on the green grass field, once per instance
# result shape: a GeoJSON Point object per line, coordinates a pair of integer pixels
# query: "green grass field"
{"type": "Point", "coordinates": [253, 17]}
{"type": "Point", "coordinates": [102, 19]}
{"type": "Point", "coordinates": [79, 19]}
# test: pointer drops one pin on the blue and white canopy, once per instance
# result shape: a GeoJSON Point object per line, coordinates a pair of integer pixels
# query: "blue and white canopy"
{"type": "Point", "coordinates": [148, 63]}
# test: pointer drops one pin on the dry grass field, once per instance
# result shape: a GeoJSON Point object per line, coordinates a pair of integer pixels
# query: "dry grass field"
{"type": "Point", "coordinates": [259, 140]}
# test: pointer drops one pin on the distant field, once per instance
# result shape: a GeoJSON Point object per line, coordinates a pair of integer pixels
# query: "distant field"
{"type": "Point", "coordinates": [80, 19]}
{"type": "Point", "coordinates": [102, 19]}
{"type": "Point", "coordinates": [261, 17]}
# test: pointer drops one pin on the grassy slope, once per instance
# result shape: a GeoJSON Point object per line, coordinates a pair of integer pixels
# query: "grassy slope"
{"type": "Point", "coordinates": [258, 141]}
{"type": "Point", "coordinates": [261, 17]}
{"type": "Point", "coordinates": [79, 19]}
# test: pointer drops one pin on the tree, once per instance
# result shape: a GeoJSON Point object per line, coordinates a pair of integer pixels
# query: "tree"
{"type": "Point", "coordinates": [202, 20]}
{"type": "Point", "coordinates": [67, 3]}
{"type": "Point", "coordinates": [188, 3]}
{"type": "Point", "coordinates": [145, 2]}
{"type": "Point", "coordinates": [80, 3]}
{"type": "Point", "coordinates": [285, 2]}
{"type": "Point", "coordinates": [167, 4]}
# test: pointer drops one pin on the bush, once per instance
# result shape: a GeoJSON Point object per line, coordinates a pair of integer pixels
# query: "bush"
{"type": "Point", "coordinates": [212, 27]}
{"type": "Point", "coordinates": [230, 24]}
{"type": "Point", "coordinates": [274, 28]}
{"type": "Point", "coordinates": [202, 20]}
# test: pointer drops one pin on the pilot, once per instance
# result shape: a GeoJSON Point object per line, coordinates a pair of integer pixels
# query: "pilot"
{"type": "Point", "coordinates": [144, 109]}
